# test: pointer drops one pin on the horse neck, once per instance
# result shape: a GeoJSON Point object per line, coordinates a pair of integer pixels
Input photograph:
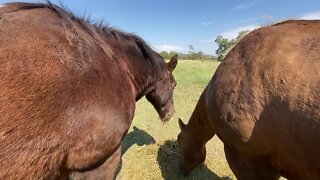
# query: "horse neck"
{"type": "Point", "coordinates": [141, 73]}
{"type": "Point", "coordinates": [141, 78]}
{"type": "Point", "coordinates": [198, 126]}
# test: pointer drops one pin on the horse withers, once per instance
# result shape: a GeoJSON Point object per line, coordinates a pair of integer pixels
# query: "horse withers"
{"type": "Point", "coordinates": [263, 103]}
{"type": "Point", "coordinates": [68, 90]}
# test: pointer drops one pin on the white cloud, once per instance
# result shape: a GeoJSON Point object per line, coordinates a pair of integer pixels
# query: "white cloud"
{"type": "Point", "coordinates": [242, 6]}
{"type": "Point", "coordinates": [249, 20]}
{"type": "Point", "coordinates": [208, 23]}
{"type": "Point", "coordinates": [169, 48]}
{"type": "Point", "coordinates": [266, 17]}
{"type": "Point", "coordinates": [311, 16]}
{"type": "Point", "coordinates": [233, 33]}
{"type": "Point", "coordinates": [207, 41]}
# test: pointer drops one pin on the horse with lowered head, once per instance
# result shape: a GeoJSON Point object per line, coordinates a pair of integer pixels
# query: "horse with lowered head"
{"type": "Point", "coordinates": [68, 90]}
{"type": "Point", "coordinates": [263, 102]}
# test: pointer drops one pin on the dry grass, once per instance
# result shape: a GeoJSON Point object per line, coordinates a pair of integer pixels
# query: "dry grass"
{"type": "Point", "coordinates": [150, 150]}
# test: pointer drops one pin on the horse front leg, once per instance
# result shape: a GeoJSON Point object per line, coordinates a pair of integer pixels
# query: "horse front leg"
{"type": "Point", "coordinates": [104, 172]}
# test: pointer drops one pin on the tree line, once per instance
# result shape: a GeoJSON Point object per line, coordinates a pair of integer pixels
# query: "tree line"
{"type": "Point", "coordinates": [224, 46]}
{"type": "Point", "coordinates": [191, 55]}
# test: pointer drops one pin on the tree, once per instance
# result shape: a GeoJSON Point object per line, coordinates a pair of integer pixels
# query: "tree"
{"type": "Point", "coordinates": [191, 48]}
{"type": "Point", "coordinates": [241, 35]}
{"type": "Point", "coordinates": [164, 54]}
{"type": "Point", "coordinates": [225, 45]}
{"type": "Point", "coordinates": [191, 55]}
{"type": "Point", "coordinates": [172, 53]}
{"type": "Point", "coordinates": [200, 54]}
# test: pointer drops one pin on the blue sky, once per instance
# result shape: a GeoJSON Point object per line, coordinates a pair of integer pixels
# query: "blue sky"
{"type": "Point", "coordinates": [173, 25]}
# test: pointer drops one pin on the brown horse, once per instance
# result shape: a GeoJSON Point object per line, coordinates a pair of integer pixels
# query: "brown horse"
{"type": "Point", "coordinates": [264, 104]}
{"type": "Point", "coordinates": [68, 90]}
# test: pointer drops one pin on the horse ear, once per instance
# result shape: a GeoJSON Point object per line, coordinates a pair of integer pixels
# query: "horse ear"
{"type": "Point", "coordinates": [181, 124]}
{"type": "Point", "coordinates": [173, 63]}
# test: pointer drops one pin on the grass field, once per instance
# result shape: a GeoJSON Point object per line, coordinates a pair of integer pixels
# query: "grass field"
{"type": "Point", "coordinates": [150, 150]}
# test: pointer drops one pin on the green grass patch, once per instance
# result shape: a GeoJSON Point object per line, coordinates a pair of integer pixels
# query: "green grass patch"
{"type": "Point", "coordinates": [150, 150]}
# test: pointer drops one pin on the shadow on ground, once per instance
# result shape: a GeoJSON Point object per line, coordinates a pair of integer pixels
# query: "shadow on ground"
{"type": "Point", "coordinates": [168, 159]}
{"type": "Point", "coordinates": [137, 136]}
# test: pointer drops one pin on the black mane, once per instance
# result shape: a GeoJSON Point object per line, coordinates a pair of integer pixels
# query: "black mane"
{"type": "Point", "coordinates": [85, 22]}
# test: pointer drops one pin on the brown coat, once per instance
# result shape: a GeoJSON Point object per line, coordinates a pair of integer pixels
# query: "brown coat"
{"type": "Point", "coordinates": [68, 90]}
{"type": "Point", "coordinates": [264, 104]}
